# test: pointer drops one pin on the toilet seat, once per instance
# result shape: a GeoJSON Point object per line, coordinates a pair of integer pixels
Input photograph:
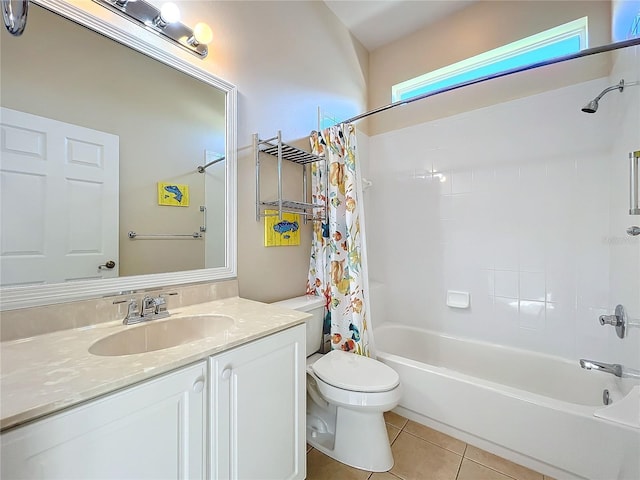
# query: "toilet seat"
{"type": "Point", "coordinates": [358, 401]}
{"type": "Point", "coordinates": [355, 373]}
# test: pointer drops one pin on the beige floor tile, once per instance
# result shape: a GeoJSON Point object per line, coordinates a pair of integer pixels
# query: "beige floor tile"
{"type": "Point", "coordinates": [548, 478]}
{"type": "Point", "coordinates": [474, 471]}
{"type": "Point", "coordinates": [394, 419]}
{"type": "Point", "coordinates": [383, 476]}
{"type": "Point", "coordinates": [417, 459]}
{"type": "Point", "coordinates": [433, 436]}
{"type": "Point", "coordinates": [322, 467]}
{"type": "Point", "coordinates": [501, 465]}
{"type": "Point", "coordinates": [393, 433]}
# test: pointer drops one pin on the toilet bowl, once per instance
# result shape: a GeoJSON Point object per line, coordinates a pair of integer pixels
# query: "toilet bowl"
{"type": "Point", "coordinates": [347, 395]}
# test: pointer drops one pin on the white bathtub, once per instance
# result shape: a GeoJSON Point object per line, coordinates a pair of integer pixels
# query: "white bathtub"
{"type": "Point", "coordinates": [534, 409]}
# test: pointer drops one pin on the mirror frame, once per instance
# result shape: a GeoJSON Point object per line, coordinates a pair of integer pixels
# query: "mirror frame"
{"type": "Point", "coordinates": [122, 31]}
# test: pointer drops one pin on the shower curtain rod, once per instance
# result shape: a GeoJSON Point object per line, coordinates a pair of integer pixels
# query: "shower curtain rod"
{"type": "Point", "coordinates": [583, 53]}
{"type": "Point", "coordinates": [202, 168]}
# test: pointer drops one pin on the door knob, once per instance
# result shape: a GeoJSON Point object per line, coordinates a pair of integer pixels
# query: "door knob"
{"type": "Point", "coordinates": [226, 373]}
{"type": "Point", "coordinates": [108, 265]}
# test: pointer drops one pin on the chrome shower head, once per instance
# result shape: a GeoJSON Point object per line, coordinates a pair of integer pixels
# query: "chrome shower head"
{"type": "Point", "coordinates": [592, 106]}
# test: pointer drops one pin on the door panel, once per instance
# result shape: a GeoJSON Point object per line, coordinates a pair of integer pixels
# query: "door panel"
{"type": "Point", "coordinates": [59, 193]}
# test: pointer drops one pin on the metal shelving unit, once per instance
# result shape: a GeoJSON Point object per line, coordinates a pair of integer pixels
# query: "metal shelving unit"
{"type": "Point", "coordinates": [275, 147]}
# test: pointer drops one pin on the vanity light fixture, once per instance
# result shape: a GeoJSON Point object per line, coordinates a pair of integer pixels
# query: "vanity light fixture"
{"type": "Point", "coordinates": [201, 34]}
{"type": "Point", "coordinates": [164, 22]}
{"type": "Point", "coordinates": [169, 13]}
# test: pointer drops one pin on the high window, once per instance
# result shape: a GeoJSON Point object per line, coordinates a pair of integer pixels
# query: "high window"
{"type": "Point", "coordinates": [555, 42]}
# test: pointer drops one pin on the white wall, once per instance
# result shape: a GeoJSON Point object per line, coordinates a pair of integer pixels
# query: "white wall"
{"type": "Point", "coordinates": [530, 220]}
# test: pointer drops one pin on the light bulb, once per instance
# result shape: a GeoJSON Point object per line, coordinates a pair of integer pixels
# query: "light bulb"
{"type": "Point", "coordinates": [202, 33]}
{"type": "Point", "coordinates": [169, 12]}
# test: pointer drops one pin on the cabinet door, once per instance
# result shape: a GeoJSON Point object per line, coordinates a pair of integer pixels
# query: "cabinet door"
{"type": "Point", "coordinates": [154, 430]}
{"type": "Point", "coordinates": [258, 416]}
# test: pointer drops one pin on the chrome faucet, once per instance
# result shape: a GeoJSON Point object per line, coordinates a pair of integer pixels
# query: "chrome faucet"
{"type": "Point", "coordinates": [613, 368]}
{"type": "Point", "coordinates": [150, 308]}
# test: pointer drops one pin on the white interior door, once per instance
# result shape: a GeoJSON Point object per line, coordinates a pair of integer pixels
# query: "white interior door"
{"type": "Point", "coordinates": [59, 201]}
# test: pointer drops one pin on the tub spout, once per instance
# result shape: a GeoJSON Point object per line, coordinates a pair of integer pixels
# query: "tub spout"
{"type": "Point", "coordinates": [613, 368]}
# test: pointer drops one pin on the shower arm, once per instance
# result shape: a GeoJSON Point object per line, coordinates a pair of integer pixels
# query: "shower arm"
{"type": "Point", "coordinates": [619, 86]}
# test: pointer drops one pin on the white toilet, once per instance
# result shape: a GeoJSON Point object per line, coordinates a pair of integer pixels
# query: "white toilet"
{"type": "Point", "coordinates": [346, 397]}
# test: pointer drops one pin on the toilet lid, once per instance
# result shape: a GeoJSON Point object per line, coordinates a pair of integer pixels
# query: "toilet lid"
{"type": "Point", "coordinates": [357, 373]}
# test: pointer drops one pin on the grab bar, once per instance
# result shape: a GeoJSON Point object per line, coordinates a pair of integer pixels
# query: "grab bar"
{"type": "Point", "coordinates": [133, 235]}
{"type": "Point", "coordinates": [634, 159]}
{"type": "Point", "coordinates": [203, 227]}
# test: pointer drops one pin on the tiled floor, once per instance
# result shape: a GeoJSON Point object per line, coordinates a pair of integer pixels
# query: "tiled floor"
{"type": "Point", "coordinates": [421, 453]}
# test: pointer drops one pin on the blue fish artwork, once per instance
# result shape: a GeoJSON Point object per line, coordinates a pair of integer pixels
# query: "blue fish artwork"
{"type": "Point", "coordinates": [356, 333]}
{"type": "Point", "coordinates": [286, 226]}
{"type": "Point", "coordinates": [173, 189]}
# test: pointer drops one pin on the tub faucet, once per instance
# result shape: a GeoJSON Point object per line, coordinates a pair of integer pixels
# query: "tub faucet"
{"type": "Point", "coordinates": [613, 368]}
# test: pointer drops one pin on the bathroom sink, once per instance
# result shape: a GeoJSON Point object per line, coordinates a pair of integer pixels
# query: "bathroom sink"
{"type": "Point", "coordinates": [161, 334]}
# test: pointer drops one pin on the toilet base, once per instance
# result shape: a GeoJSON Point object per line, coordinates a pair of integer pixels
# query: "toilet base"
{"type": "Point", "coordinates": [360, 440]}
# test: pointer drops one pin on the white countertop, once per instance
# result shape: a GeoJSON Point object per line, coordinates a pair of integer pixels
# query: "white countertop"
{"type": "Point", "coordinates": [46, 373]}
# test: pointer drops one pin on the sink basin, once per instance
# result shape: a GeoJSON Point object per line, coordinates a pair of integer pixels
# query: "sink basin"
{"type": "Point", "coordinates": [161, 334]}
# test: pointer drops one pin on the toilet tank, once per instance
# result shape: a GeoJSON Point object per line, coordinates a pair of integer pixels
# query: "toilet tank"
{"type": "Point", "coordinates": [315, 306]}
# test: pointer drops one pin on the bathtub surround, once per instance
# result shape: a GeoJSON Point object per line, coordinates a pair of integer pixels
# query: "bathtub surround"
{"type": "Point", "coordinates": [337, 269]}
{"type": "Point", "coordinates": [530, 219]}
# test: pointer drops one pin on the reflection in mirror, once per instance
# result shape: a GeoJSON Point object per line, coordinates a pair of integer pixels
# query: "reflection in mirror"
{"type": "Point", "coordinates": [96, 138]}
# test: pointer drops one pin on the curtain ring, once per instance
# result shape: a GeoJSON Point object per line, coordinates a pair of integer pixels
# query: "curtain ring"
{"type": "Point", "coordinates": [14, 14]}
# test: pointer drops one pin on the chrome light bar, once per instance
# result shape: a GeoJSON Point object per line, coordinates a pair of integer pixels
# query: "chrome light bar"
{"type": "Point", "coordinates": [150, 18]}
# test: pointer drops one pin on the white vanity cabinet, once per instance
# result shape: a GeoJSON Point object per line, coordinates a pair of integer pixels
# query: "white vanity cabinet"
{"type": "Point", "coordinates": [257, 422]}
{"type": "Point", "coordinates": [153, 430]}
{"type": "Point", "coordinates": [238, 415]}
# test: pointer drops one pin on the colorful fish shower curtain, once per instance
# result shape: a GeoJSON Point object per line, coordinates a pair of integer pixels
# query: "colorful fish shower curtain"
{"type": "Point", "coordinates": [336, 270]}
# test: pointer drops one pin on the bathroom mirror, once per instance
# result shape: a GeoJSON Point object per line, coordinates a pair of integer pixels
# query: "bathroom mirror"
{"type": "Point", "coordinates": [145, 120]}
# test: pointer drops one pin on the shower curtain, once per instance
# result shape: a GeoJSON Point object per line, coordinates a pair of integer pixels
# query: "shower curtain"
{"type": "Point", "coordinates": [336, 270]}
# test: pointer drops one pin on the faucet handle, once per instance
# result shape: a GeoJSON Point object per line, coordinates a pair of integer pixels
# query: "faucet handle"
{"type": "Point", "coordinates": [161, 304]}
{"type": "Point", "coordinates": [133, 312]}
{"type": "Point", "coordinates": [148, 305]}
{"type": "Point", "coordinates": [132, 308]}
{"type": "Point", "coordinates": [618, 320]}
{"type": "Point", "coordinates": [609, 320]}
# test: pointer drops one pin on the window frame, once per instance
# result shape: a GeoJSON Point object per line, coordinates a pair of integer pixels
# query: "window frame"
{"type": "Point", "coordinates": [579, 27]}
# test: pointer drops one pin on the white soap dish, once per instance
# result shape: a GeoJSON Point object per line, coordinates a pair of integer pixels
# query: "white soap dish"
{"type": "Point", "coordinates": [457, 299]}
